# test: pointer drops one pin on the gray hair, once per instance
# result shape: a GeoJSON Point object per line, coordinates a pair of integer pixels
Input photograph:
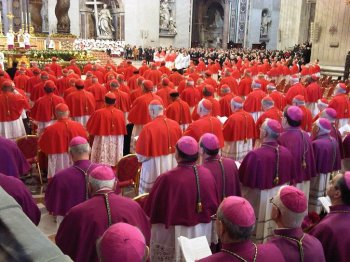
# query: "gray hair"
{"type": "Point", "coordinates": [80, 149]}
{"type": "Point", "coordinates": [98, 184]}
{"type": "Point", "coordinates": [235, 232]}
{"type": "Point", "coordinates": [289, 218]}
{"type": "Point", "coordinates": [267, 103]}
{"type": "Point", "coordinates": [60, 114]}
{"type": "Point", "coordinates": [269, 131]}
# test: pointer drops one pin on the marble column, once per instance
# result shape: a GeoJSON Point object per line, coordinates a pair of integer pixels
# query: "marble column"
{"type": "Point", "coordinates": [5, 11]}
{"type": "Point", "coordinates": [226, 23]}
{"type": "Point", "coordinates": [63, 21]}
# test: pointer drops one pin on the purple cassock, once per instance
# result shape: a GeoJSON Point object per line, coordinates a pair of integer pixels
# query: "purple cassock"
{"type": "Point", "coordinates": [247, 251]}
{"type": "Point", "coordinates": [286, 240]}
{"type": "Point", "coordinates": [86, 222]}
{"type": "Point", "coordinates": [174, 197]}
{"type": "Point", "coordinates": [327, 154]}
{"type": "Point", "coordinates": [15, 188]}
{"type": "Point", "coordinates": [346, 146]}
{"type": "Point", "coordinates": [336, 134]}
{"type": "Point", "coordinates": [334, 233]}
{"type": "Point", "coordinates": [259, 167]}
{"type": "Point", "coordinates": [68, 188]}
{"type": "Point", "coordinates": [225, 173]}
{"type": "Point", "coordinates": [12, 161]}
{"type": "Point", "coordinates": [298, 143]}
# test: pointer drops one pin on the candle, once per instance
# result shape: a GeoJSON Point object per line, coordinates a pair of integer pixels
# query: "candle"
{"type": "Point", "coordinates": [22, 19]}
{"type": "Point", "coordinates": [30, 20]}
{"type": "Point", "coordinates": [26, 19]}
{"type": "Point", "coordinates": [0, 17]}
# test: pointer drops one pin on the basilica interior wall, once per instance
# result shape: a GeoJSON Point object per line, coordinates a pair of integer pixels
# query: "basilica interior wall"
{"type": "Point", "coordinates": [258, 7]}
{"type": "Point", "coordinates": [333, 41]}
{"type": "Point", "coordinates": [52, 16]}
{"type": "Point", "coordinates": [74, 17]}
{"type": "Point", "coordinates": [289, 23]}
{"type": "Point", "coordinates": [142, 20]}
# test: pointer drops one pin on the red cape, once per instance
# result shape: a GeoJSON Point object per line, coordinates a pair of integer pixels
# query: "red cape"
{"type": "Point", "coordinates": [56, 138]}
{"type": "Point", "coordinates": [107, 121]}
{"type": "Point", "coordinates": [44, 108]}
{"type": "Point", "coordinates": [239, 126]}
{"type": "Point", "coordinates": [158, 137]}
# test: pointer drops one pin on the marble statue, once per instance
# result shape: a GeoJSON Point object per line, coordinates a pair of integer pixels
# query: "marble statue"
{"type": "Point", "coordinates": [164, 14]}
{"type": "Point", "coordinates": [105, 22]}
{"type": "Point", "coordinates": [44, 16]}
{"type": "Point", "coordinates": [265, 23]}
{"type": "Point", "coordinates": [172, 26]}
{"type": "Point", "coordinates": [218, 21]}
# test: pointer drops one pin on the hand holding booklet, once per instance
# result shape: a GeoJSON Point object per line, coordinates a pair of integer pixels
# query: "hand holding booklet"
{"type": "Point", "coordinates": [326, 202]}
{"type": "Point", "coordinates": [195, 248]}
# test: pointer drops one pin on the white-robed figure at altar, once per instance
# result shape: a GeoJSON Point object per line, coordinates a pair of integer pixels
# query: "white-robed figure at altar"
{"type": "Point", "coordinates": [26, 40]}
{"type": "Point", "coordinates": [10, 37]}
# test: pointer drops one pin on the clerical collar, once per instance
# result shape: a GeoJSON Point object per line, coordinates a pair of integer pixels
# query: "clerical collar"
{"type": "Point", "coordinates": [103, 191]}
{"type": "Point", "coordinates": [212, 158]}
{"type": "Point", "coordinates": [186, 163]}
{"type": "Point", "coordinates": [291, 232]}
{"type": "Point", "coordinates": [323, 136]}
{"type": "Point", "coordinates": [292, 128]}
{"type": "Point", "coordinates": [339, 209]}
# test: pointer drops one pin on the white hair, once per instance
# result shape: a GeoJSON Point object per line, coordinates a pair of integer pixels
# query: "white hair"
{"type": "Point", "coordinates": [269, 131]}
{"type": "Point", "coordinates": [289, 218]}
{"type": "Point", "coordinates": [155, 110]}
{"type": "Point", "coordinates": [98, 184]}
{"type": "Point", "coordinates": [80, 149]}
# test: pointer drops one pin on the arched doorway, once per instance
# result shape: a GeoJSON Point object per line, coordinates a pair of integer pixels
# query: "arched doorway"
{"type": "Point", "coordinates": [208, 23]}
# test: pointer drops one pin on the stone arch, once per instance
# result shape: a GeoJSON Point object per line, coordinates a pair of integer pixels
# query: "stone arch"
{"type": "Point", "coordinates": [204, 29]}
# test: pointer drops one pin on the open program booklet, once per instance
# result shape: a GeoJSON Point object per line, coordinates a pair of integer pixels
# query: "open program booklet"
{"type": "Point", "coordinates": [195, 248]}
{"type": "Point", "coordinates": [326, 202]}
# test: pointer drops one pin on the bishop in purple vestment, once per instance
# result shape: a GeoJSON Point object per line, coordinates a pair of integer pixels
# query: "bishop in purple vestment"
{"type": "Point", "coordinates": [262, 172]}
{"type": "Point", "coordinates": [331, 115]}
{"type": "Point", "coordinates": [12, 161]}
{"type": "Point", "coordinates": [289, 208]}
{"type": "Point", "coordinates": [182, 199]}
{"type": "Point", "coordinates": [298, 143]}
{"type": "Point", "coordinates": [327, 157]}
{"type": "Point", "coordinates": [68, 187]}
{"type": "Point", "coordinates": [15, 188]}
{"type": "Point", "coordinates": [224, 170]}
{"type": "Point", "coordinates": [333, 231]}
{"type": "Point", "coordinates": [86, 222]}
{"type": "Point", "coordinates": [235, 222]}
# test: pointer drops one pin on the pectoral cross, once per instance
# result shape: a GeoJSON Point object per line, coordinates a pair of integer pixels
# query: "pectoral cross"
{"type": "Point", "coordinates": [95, 3]}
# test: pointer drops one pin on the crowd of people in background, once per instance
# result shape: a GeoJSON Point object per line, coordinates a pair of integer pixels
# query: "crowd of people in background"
{"type": "Point", "coordinates": [235, 145]}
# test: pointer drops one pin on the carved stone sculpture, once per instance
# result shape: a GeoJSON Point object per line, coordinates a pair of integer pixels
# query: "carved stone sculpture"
{"type": "Point", "coordinates": [105, 23]}
{"type": "Point", "coordinates": [63, 21]}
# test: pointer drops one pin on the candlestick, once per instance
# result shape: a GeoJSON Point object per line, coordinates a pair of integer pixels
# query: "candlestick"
{"type": "Point", "coordinates": [26, 24]}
